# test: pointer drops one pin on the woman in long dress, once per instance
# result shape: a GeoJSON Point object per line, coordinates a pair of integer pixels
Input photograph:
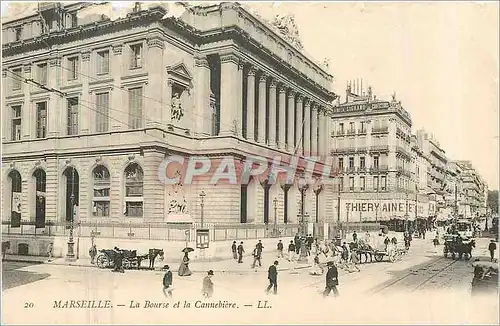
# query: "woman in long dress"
{"type": "Point", "coordinates": [184, 268]}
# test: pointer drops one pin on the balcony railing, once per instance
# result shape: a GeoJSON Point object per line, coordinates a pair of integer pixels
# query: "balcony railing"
{"type": "Point", "coordinates": [351, 132]}
{"type": "Point", "coordinates": [380, 130]}
{"type": "Point", "coordinates": [361, 131]}
{"type": "Point", "coordinates": [379, 148]}
{"type": "Point", "coordinates": [379, 168]}
{"type": "Point", "coordinates": [351, 169]}
{"type": "Point", "coordinates": [340, 132]}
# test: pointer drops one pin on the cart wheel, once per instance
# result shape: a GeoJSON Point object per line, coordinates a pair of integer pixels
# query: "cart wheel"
{"type": "Point", "coordinates": [392, 258]}
{"type": "Point", "coordinates": [379, 257]}
{"type": "Point", "coordinates": [126, 263]}
{"type": "Point", "coordinates": [102, 261]}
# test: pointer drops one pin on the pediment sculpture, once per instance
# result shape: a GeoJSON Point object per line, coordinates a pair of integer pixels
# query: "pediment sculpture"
{"type": "Point", "coordinates": [287, 27]}
{"type": "Point", "coordinates": [177, 203]}
{"type": "Point", "coordinates": [177, 110]}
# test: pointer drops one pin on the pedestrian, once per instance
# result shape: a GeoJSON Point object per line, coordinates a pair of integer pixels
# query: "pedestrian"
{"type": "Point", "coordinates": [256, 256]}
{"type": "Point", "coordinates": [208, 285]}
{"type": "Point", "coordinates": [280, 249]}
{"type": "Point", "coordinates": [387, 241]}
{"type": "Point", "coordinates": [298, 244]}
{"type": "Point", "coordinates": [233, 249]}
{"type": "Point", "coordinates": [272, 276]}
{"type": "Point", "coordinates": [492, 247]}
{"type": "Point", "coordinates": [50, 251]}
{"type": "Point", "coordinates": [118, 260]}
{"type": "Point", "coordinates": [260, 245]}
{"type": "Point", "coordinates": [291, 250]}
{"type": "Point", "coordinates": [332, 280]}
{"type": "Point", "coordinates": [354, 236]}
{"type": "Point", "coordinates": [184, 267]}
{"type": "Point", "coordinates": [92, 253]}
{"type": "Point", "coordinates": [240, 252]}
{"type": "Point", "coordinates": [167, 282]}
{"type": "Point", "coordinates": [345, 252]}
{"type": "Point", "coordinates": [367, 237]}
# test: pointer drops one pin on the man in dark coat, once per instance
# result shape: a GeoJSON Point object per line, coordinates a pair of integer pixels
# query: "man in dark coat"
{"type": "Point", "coordinates": [492, 247]}
{"type": "Point", "coordinates": [256, 256]}
{"type": "Point", "coordinates": [298, 244]}
{"type": "Point", "coordinates": [233, 249]}
{"type": "Point", "coordinates": [272, 276]}
{"type": "Point", "coordinates": [118, 260]}
{"type": "Point", "coordinates": [332, 280]}
{"type": "Point", "coordinates": [354, 236]}
{"type": "Point", "coordinates": [280, 249]}
{"type": "Point", "coordinates": [291, 250]}
{"type": "Point", "coordinates": [167, 282]}
{"type": "Point", "coordinates": [240, 252]}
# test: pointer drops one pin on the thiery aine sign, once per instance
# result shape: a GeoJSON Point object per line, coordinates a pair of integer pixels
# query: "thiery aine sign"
{"type": "Point", "coordinates": [371, 210]}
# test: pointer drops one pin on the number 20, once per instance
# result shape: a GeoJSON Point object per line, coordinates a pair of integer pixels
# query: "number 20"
{"type": "Point", "coordinates": [28, 305]}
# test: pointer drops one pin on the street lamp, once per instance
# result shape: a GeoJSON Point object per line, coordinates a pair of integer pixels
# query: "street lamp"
{"type": "Point", "coordinates": [406, 214]}
{"type": "Point", "coordinates": [202, 197]}
{"type": "Point", "coordinates": [70, 255]}
{"type": "Point", "coordinates": [303, 186]}
{"type": "Point", "coordinates": [275, 230]}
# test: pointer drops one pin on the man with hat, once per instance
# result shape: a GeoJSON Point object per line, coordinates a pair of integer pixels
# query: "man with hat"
{"type": "Point", "coordinates": [208, 285]}
{"type": "Point", "coordinates": [167, 282]}
{"type": "Point", "coordinates": [332, 280]}
{"type": "Point", "coordinates": [272, 276]}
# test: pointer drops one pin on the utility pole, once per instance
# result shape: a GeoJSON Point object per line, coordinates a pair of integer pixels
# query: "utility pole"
{"type": "Point", "coordinates": [275, 231]}
{"type": "Point", "coordinates": [70, 255]}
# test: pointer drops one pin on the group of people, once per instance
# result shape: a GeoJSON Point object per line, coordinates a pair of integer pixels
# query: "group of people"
{"type": "Point", "coordinates": [207, 286]}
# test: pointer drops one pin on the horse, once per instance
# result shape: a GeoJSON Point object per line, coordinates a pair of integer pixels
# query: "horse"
{"type": "Point", "coordinates": [153, 253]}
{"type": "Point", "coordinates": [465, 249]}
{"type": "Point", "coordinates": [364, 248]}
{"type": "Point", "coordinates": [5, 247]}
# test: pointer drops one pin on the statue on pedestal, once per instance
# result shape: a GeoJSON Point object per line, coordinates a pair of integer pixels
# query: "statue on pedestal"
{"type": "Point", "coordinates": [177, 111]}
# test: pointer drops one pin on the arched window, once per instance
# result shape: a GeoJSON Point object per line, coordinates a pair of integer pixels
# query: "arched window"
{"type": "Point", "coordinates": [40, 188]}
{"type": "Point", "coordinates": [102, 185]}
{"type": "Point", "coordinates": [15, 202]}
{"type": "Point", "coordinates": [134, 187]}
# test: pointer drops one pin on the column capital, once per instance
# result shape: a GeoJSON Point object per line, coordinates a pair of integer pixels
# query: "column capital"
{"type": "Point", "coordinates": [229, 57]}
{"type": "Point", "coordinates": [241, 65]}
{"type": "Point", "coordinates": [55, 62]}
{"type": "Point", "coordinates": [117, 49]}
{"type": "Point", "coordinates": [262, 78]}
{"type": "Point", "coordinates": [27, 68]}
{"type": "Point", "coordinates": [273, 84]}
{"type": "Point", "coordinates": [300, 98]}
{"type": "Point", "coordinates": [251, 71]}
{"type": "Point", "coordinates": [86, 55]}
{"type": "Point", "coordinates": [307, 101]}
{"type": "Point", "coordinates": [201, 62]}
{"type": "Point", "coordinates": [282, 89]}
{"type": "Point", "coordinates": [291, 93]}
{"type": "Point", "coordinates": [156, 42]}
{"type": "Point", "coordinates": [4, 73]}
{"type": "Point", "coordinates": [315, 107]}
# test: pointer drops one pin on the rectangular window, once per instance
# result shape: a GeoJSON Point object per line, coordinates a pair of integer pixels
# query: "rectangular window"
{"type": "Point", "coordinates": [363, 127]}
{"type": "Point", "coordinates": [16, 122]}
{"type": "Point", "coordinates": [73, 68]}
{"type": "Point", "coordinates": [101, 208]}
{"type": "Point", "coordinates": [375, 162]}
{"type": "Point", "coordinates": [73, 116]}
{"type": "Point", "coordinates": [134, 209]}
{"type": "Point", "coordinates": [19, 33]}
{"type": "Point", "coordinates": [341, 183]}
{"type": "Point", "coordinates": [384, 183]}
{"type": "Point", "coordinates": [73, 19]}
{"type": "Point", "coordinates": [135, 107]}
{"type": "Point", "coordinates": [102, 112]}
{"type": "Point", "coordinates": [362, 183]}
{"type": "Point", "coordinates": [17, 79]}
{"type": "Point", "coordinates": [362, 163]}
{"type": "Point", "coordinates": [341, 163]}
{"type": "Point", "coordinates": [341, 128]}
{"type": "Point", "coordinates": [351, 183]}
{"type": "Point", "coordinates": [41, 120]}
{"type": "Point", "coordinates": [103, 62]}
{"type": "Point", "coordinates": [135, 56]}
{"type": "Point", "coordinates": [351, 126]}
{"type": "Point", "coordinates": [375, 183]}
{"type": "Point", "coordinates": [351, 162]}
{"type": "Point", "coordinates": [42, 73]}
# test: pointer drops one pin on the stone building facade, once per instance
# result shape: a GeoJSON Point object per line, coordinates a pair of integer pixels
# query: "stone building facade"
{"type": "Point", "coordinates": [111, 98]}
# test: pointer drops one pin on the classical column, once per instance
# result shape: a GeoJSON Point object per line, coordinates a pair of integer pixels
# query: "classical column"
{"type": "Point", "coordinates": [282, 117]}
{"type": "Point", "coordinates": [307, 126]}
{"type": "Point", "coordinates": [299, 123]}
{"type": "Point", "coordinates": [272, 114]}
{"type": "Point", "coordinates": [322, 136]}
{"type": "Point", "coordinates": [251, 104]}
{"type": "Point", "coordinates": [261, 128]}
{"type": "Point", "coordinates": [27, 115]}
{"type": "Point", "coordinates": [239, 107]}
{"type": "Point", "coordinates": [314, 130]}
{"type": "Point", "coordinates": [229, 94]}
{"type": "Point", "coordinates": [118, 98]}
{"type": "Point", "coordinates": [154, 90]}
{"type": "Point", "coordinates": [57, 104]}
{"type": "Point", "coordinates": [291, 121]}
{"type": "Point", "coordinates": [202, 100]}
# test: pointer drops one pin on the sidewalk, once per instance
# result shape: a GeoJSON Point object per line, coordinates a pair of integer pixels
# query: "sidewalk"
{"type": "Point", "coordinates": [196, 266]}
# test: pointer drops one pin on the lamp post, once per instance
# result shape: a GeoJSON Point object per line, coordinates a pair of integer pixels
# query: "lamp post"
{"type": "Point", "coordinates": [202, 197]}
{"type": "Point", "coordinates": [275, 230]}
{"type": "Point", "coordinates": [302, 187]}
{"type": "Point", "coordinates": [70, 255]}
{"type": "Point", "coordinates": [406, 214]}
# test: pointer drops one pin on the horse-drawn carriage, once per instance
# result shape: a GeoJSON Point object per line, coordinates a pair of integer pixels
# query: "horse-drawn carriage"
{"type": "Point", "coordinates": [392, 252]}
{"type": "Point", "coordinates": [456, 245]}
{"type": "Point", "coordinates": [130, 260]}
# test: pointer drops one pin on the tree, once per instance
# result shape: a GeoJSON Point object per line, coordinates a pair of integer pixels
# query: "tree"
{"type": "Point", "coordinates": [493, 200]}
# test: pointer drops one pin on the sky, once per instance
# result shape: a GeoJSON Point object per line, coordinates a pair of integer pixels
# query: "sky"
{"type": "Point", "coordinates": [441, 59]}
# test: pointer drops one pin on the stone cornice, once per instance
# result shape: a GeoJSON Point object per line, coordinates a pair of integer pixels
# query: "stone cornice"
{"type": "Point", "coordinates": [156, 42]}
{"type": "Point", "coordinates": [201, 62]}
{"type": "Point", "coordinates": [229, 57]}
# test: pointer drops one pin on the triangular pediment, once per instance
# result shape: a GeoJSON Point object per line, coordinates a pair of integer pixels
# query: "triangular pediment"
{"type": "Point", "coordinates": [180, 70]}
